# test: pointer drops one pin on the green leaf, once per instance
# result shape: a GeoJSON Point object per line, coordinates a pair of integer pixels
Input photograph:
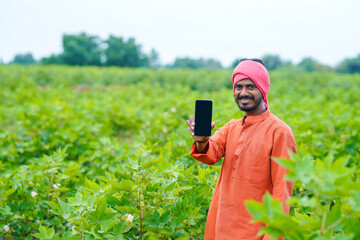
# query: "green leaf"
{"type": "Point", "coordinates": [328, 160]}
{"type": "Point", "coordinates": [306, 201]}
{"type": "Point", "coordinates": [109, 175]}
{"type": "Point", "coordinates": [158, 230]}
{"type": "Point", "coordinates": [333, 215]}
{"type": "Point", "coordinates": [256, 209]}
{"type": "Point", "coordinates": [341, 162]}
{"type": "Point", "coordinates": [118, 228]}
{"type": "Point", "coordinates": [43, 231]}
{"type": "Point", "coordinates": [149, 163]}
{"type": "Point", "coordinates": [344, 237]}
{"type": "Point", "coordinates": [127, 209]}
{"type": "Point", "coordinates": [9, 192]}
{"type": "Point", "coordinates": [78, 196]}
{"type": "Point", "coordinates": [101, 207]}
{"type": "Point", "coordinates": [127, 228]}
{"type": "Point", "coordinates": [287, 163]}
{"type": "Point", "coordinates": [66, 211]}
{"type": "Point", "coordinates": [51, 233]}
{"type": "Point", "coordinates": [67, 234]}
{"type": "Point", "coordinates": [121, 228]}
{"type": "Point", "coordinates": [170, 187]}
{"type": "Point", "coordinates": [38, 235]}
{"type": "Point", "coordinates": [124, 185]}
{"type": "Point", "coordinates": [304, 218]}
{"type": "Point", "coordinates": [108, 214]}
{"type": "Point", "coordinates": [113, 201]}
{"type": "Point", "coordinates": [268, 205]}
{"type": "Point", "coordinates": [46, 233]}
{"type": "Point", "coordinates": [165, 217]}
{"type": "Point", "coordinates": [321, 238]}
{"type": "Point", "coordinates": [119, 237]}
{"type": "Point", "coordinates": [56, 208]}
{"type": "Point", "coordinates": [91, 185]}
{"type": "Point", "coordinates": [272, 232]}
{"type": "Point", "coordinates": [107, 225]}
{"type": "Point", "coordinates": [156, 217]}
{"type": "Point", "coordinates": [266, 211]}
{"type": "Point", "coordinates": [182, 238]}
{"type": "Point", "coordinates": [152, 237]}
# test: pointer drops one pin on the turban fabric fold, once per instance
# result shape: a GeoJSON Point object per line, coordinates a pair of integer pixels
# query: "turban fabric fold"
{"type": "Point", "coordinates": [256, 72]}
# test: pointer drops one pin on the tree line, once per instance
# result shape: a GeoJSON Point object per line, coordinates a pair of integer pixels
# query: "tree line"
{"type": "Point", "coordinates": [89, 50]}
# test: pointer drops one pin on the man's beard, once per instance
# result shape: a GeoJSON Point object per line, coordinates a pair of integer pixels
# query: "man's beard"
{"type": "Point", "coordinates": [248, 108]}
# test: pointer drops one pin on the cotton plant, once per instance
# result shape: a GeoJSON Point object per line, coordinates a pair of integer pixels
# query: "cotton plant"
{"type": "Point", "coordinates": [23, 197]}
{"type": "Point", "coordinates": [144, 202]}
{"type": "Point", "coordinates": [328, 207]}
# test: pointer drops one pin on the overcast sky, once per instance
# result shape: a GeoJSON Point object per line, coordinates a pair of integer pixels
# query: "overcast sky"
{"type": "Point", "coordinates": [328, 30]}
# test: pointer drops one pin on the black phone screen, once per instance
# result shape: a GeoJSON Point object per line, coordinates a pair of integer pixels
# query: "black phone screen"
{"type": "Point", "coordinates": [203, 115]}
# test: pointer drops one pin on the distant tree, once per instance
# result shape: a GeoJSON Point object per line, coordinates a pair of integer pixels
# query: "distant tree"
{"type": "Point", "coordinates": [196, 63]}
{"type": "Point", "coordinates": [24, 59]}
{"type": "Point", "coordinates": [272, 61]}
{"type": "Point", "coordinates": [350, 65]}
{"type": "Point", "coordinates": [310, 65]}
{"type": "Point", "coordinates": [154, 61]}
{"type": "Point", "coordinates": [212, 64]}
{"type": "Point", "coordinates": [81, 49]}
{"type": "Point", "coordinates": [53, 59]}
{"type": "Point", "coordinates": [124, 53]}
{"type": "Point", "coordinates": [185, 63]}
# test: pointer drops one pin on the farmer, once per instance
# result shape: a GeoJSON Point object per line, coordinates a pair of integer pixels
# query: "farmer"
{"type": "Point", "coordinates": [249, 146]}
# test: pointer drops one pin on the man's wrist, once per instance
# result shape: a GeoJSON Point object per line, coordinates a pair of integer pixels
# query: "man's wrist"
{"type": "Point", "coordinates": [202, 141]}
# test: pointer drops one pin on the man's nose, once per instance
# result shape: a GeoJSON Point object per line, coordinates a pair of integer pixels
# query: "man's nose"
{"type": "Point", "coordinates": [243, 92]}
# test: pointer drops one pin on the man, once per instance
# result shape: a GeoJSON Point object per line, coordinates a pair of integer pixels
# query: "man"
{"type": "Point", "coordinates": [249, 146]}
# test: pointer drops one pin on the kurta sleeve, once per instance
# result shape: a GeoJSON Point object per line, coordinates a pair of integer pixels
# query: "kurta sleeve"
{"type": "Point", "coordinates": [216, 147]}
{"type": "Point", "coordinates": [283, 143]}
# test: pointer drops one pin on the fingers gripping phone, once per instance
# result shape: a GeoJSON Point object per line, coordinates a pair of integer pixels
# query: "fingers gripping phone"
{"type": "Point", "coordinates": [203, 117]}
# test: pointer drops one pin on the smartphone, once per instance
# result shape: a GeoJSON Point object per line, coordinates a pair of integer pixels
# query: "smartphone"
{"type": "Point", "coordinates": [203, 117]}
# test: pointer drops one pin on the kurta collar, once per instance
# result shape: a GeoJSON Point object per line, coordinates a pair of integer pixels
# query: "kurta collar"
{"type": "Point", "coordinates": [258, 118]}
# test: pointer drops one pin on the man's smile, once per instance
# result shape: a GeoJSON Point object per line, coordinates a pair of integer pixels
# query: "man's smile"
{"type": "Point", "coordinates": [245, 101]}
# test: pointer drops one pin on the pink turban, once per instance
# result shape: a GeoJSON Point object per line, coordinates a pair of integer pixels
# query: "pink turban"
{"type": "Point", "coordinates": [256, 72]}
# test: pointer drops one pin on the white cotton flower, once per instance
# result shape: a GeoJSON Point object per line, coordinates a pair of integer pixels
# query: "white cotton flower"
{"type": "Point", "coordinates": [56, 185]}
{"type": "Point", "coordinates": [129, 217]}
{"type": "Point", "coordinates": [34, 194]}
{"type": "Point", "coordinates": [6, 228]}
{"type": "Point", "coordinates": [73, 228]}
{"type": "Point", "coordinates": [173, 110]}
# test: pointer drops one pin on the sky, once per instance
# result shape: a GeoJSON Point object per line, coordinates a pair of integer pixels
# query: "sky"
{"type": "Point", "coordinates": [327, 30]}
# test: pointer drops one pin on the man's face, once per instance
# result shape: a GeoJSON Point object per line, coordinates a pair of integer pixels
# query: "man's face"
{"type": "Point", "coordinates": [247, 96]}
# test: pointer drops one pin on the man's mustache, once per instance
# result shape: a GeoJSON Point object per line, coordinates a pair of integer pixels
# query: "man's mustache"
{"type": "Point", "coordinates": [245, 97]}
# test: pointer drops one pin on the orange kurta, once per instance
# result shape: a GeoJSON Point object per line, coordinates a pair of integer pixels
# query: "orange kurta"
{"type": "Point", "coordinates": [247, 172]}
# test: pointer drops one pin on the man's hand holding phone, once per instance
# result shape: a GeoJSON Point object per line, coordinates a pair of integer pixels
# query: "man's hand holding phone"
{"type": "Point", "coordinates": [191, 128]}
{"type": "Point", "coordinates": [203, 117]}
